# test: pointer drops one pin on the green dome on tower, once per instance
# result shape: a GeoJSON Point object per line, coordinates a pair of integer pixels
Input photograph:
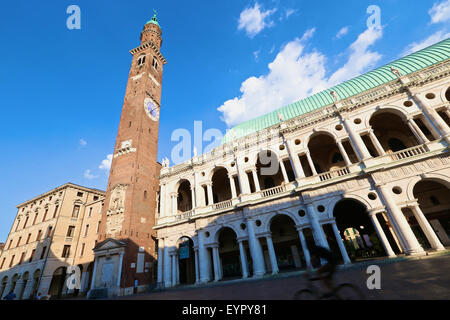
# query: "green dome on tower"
{"type": "Point", "coordinates": [154, 19]}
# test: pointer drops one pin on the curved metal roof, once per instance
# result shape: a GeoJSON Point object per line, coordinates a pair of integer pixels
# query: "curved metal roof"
{"type": "Point", "coordinates": [412, 63]}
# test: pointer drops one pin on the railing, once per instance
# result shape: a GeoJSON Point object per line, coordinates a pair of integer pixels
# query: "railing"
{"type": "Point", "coordinates": [184, 215]}
{"type": "Point", "coordinates": [334, 174]}
{"type": "Point", "coordinates": [407, 153]}
{"type": "Point", "coordinates": [272, 191]}
{"type": "Point", "coordinates": [222, 205]}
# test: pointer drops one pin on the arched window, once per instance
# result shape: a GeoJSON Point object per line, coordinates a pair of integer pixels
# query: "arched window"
{"type": "Point", "coordinates": [145, 195]}
{"type": "Point", "coordinates": [155, 63]}
{"type": "Point", "coordinates": [141, 61]}
{"type": "Point", "coordinates": [337, 157]}
{"type": "Point", "coordinates": [396, 144]}
{"type": "Point", "coordinates": [447, 94]}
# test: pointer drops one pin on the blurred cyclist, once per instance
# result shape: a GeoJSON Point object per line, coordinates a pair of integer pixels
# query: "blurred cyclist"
{"type": "Point", "coordinates": [326, 271]}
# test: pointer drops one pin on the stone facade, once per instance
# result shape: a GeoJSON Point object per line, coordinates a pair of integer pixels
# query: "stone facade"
{"type": "Point", "coordinates": [51, 233]}
{"type": "Point", "coordinates": [374, 163]}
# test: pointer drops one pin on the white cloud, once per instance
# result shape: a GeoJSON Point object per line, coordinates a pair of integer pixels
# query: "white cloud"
{"type": "Point", "coordinates": [296, 74]}
{"type": "Point", "coordinates": [256, 55]}
{"type": "Point", "coordinates": [253, 20]}
{"type": "Point", "coordinates": [342, 32]}
{"type": "Point", "coordinates": [440, 12]}
{"type": "Point", "coordinates": [434, 38]}
{"type": "Point", "coordinates": [290, 12]}
{"type": "Point", "coordinates": [106, 163]}
{"type": "Point", "coordinates": [83, 143]}
{"type": "Point", "coordinates": [89, 175]}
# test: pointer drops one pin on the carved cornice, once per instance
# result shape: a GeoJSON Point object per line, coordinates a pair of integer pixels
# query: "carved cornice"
{"type": "Point", "coordinates": [147, 45]}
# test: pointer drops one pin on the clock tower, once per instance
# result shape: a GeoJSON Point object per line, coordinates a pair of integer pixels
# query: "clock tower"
{"type": "Point", "coordinates": [125, 252]}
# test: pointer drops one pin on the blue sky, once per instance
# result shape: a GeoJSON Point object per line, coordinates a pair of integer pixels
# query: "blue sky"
{"type": "Point", "coordinates": [62, 90]}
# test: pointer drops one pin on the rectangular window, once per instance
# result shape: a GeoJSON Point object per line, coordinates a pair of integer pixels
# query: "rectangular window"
{"type": "Point", "coordinates": [38, 237]}
{"type": "Point", "coordinates": [17, 225]}
{"type": "Point", "coordinates": [10, 243]}
{"type": "Point", "coordinates": [3, 262]}
{"type": "Point", "coordinates": [56, 211]}
{"type": "Point", "coordinates": [32, 255]}
{"type": "Point", "coordinates": [70, 231]}
{"type": "Point", "coordinates": [76, 211]}
{"type": "Point", "coordinates": [82, 250]}
{"type": "Point", "coordinates": [98, 227]}
{"type": "Point", "coordinates": [28, 238]}
{"type": "Point", "coordinates": [95, 198]}
{"type": "Point", "coordinates": [43, 253]}
{"type": "Point", "coordinates": [49, 232]}
{"type": "Point", "coordinates": [45, 215]}
{"type": "Point", "coordinates": [79, 194]}
{"type": "Point", "coordinates": [18, 241]}
{"type": "Point", "coordinates": [86, 230]}
{"type": "Point", "coordinates": [35, 217]}
{"type": "Point", "coordinates": [12, 261]}
{"type": "Point", "coordinates": [90, 212]}
{"type": "Point", "coordinates": [21, 258]}
{"type": "Point", "coordinates": [66, 251]}
{"type": "Point", "coordinates": [25, 224]}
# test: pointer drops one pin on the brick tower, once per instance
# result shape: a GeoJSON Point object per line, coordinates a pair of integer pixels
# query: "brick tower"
{"type": "Point", "coordinates": [125, 252]}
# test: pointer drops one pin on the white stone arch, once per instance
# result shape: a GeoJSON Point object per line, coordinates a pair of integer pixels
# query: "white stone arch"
{"type": "Point", "coordinates": [253, 158]}
{"type": "Point", "coordinates": [180, 180]}
{"type": "Point", "coordinates": [399, 111]}
{"type": "Point", "coordinates": [443, 91]}
{"type": "Point", "coordinates": [317, 132]}
{"type": "Point", "coordinates": [218, 229]}
{"type": "Point", "coordinates": [265, 225]}
{"type": "Point", "coordinates": [216, 168]}
{"type": "Point", "coordinates": [334, 201]}
{"type": "Point", "coordinates": [436, 177]}
{"type": "Point", "coordinates": [185, 236]}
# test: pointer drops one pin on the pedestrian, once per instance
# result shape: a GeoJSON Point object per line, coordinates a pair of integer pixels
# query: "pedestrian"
{"type": "Point", "coordinates": [39, 296]}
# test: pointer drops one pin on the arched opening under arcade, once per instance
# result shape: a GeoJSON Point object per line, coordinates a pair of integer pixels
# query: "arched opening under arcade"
{"type": "Point", "coordinates": [221, 188]}
{"type": "Point", "coordinates": [286, 242]}
{"type": "Point", "coordinates": [325, 153]}
{"type": "Point", "coordinates": [186, 260]}
{"type": "Point", "coordinates": [356, 230]}
{"type": "Point", "coordinates": [184, 200]}
{"type": "Point", "coordinates": [229, 254]}
{"type": "Point", "coordinates": [36, 276]}
{"type": "Point", "coordinates": [25, 279]}
{"type": "Point", "coordinates": [57, 283]}
{"type": "Point", "coordinates": [268, 171]}
{"type": "Point", "coordinates": [4, 283]}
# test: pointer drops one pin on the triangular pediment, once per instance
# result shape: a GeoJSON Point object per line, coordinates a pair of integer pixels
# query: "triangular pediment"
{"type": "Point", "coordinates": [109, 244]}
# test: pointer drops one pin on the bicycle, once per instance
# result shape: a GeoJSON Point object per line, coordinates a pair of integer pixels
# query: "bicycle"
{"type": "Point", "coordinates": [344, 291]}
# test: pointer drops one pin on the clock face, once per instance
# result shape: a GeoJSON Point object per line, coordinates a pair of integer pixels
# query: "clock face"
{"type": "Point", "coordinates": [151, 109]}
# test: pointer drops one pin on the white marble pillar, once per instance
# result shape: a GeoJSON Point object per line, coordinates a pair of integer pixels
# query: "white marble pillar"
{"type": "Point", "coordinates": [305, 249]}
{"type": "Point", "coordinates": [376, 143]}
{"type": "Point", "coordinates": [343, 153]}
{"type": "Point", "coordinates": [194, 203]}
{"type": "Point", "coordinates": [435, 118]}
{"type": "Point", "coordinates": [295, 160]}
{"type": "Point", "coordinates": [94, 273]}
{"type": "Point", "coordinates": [400, 223]}
{"type": "Point", "coordinates": [356, 140]}
{"type": "Point", "coordinates": [393, 232]}
{"type": "Point", "coordinates": [174, 269]}
{"type": "Point", "coordinates": [203, 258]}
{"type": "Point", "coordinates": [163, 201]}
{"type": "Point", "coordinates": [197, 271]}
{"type": "Point", "coordinates": [272, 255]}
{"type": "Point", "coordinates": [256, 180]}
{"type": "Point", "coordinates": [215, 256]}
{"type": "Point", "coordinates": [421, 138]}
{"type": "Point", "coordinates": [380, 232]}
{"type": "Point", "coordinates": [243, 259]}
{"type": "Point", "coordinates": [426, 228]}
{"type": "Point", "coordinates": [259, 268]}
{"type": "Point", "coordinates": [283, 171]}
{"type": "Point", "coordinates": [318, 233]}
{"type": "Point", "coordinates": [174, 196]}
{"type": "Point", "coordinates": [311, 163]}
{"type": "Point", "coordinates": [340, 243]}
{"type": "Point", "coordinates": [160, 260]}
{"type": "Point", "coordinates": [232, 186]}
{"type": "Point", "coordinates": [210, 193]}
{"type": "Point", "coordinates": [167, 276]}
{"type": "Point", "coordinates": [177, 264]}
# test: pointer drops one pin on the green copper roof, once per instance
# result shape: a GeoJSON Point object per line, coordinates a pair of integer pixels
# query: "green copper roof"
{"type": "Point", "coordinates": [154, 20]}
{"type": "Point", "coordinates": [414, 62]}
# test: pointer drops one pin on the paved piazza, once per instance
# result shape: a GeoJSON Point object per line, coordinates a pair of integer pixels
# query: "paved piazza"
{"type": "Point", "coordinates": [425, 278]}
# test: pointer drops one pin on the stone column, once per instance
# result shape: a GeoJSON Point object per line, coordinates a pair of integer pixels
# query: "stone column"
{"type": "Point", "coordinates": [356, 140]}
{"type": "Point", "coordinates": [311, 163]}
{"type": "Point", "coordinates": [18, 288]}
{"type": "Point", "coordinates": [167, 266]}
{"type": "Point", "coordinates": [435, 118]}
{"type": "Point", "coordinates": [318, 233]}
{"type": "Point", "coordinates": [199, 194]}
{"type": "Point", "coordinates": [197, 272]}
{"type": "Point", "coordinates": [305, 248]}
{"type": "Point", "coordinates": [194, 203]}
{"type": "Point", "coordinates": [283, 171]}
{"type": "Point", "coordinates": [421, 138]}
{"type": "Point", "coordinates": [393, 233]}
{"type": "Point", "coordinates": [119, 274]}
{"type": "Point", "coordinates": [202, 258]}
{"type": "Point", "coordinates": [162, 204]}
{"type": "Point", "coordinates": [210, 194]}
{"type": "Point", "coordinates": [215, 256]}
{"type": "Point", "coordinates": [160, 260]}
{"type": "Point", "coordinates": [340, 243]}
{"type": "Point", "coordinates": [344, 154]}
{"type": "Point", "coordinates": [400, 223]}
{"type": "Point", "coordinates": [174, 269]}
{"type": "Point", "coordinates": [384, 241]}
{"type": "Point", "coordinates": [233, 186]}
{"type": "Point", "coordinates": [272, 255]}
{"type": "Point", "coordinates": [376, 143]}
{"type": "Point", "coordinates": [177, 264]}
{"type": "Point", "coordinates": [174, 196]}
{"type": "Point", "coordinates": [29, 288]}
{"type": "Point", "coordinates": [295, 160]}
{"type": "Point", "coordinates": [259, 268]}
{"type": "Point", "coordinates": [243, 259]}
{"type": "Point", "coordinates": [256, 180]}
{"type": "Point", "coordinates": [426, 228]}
